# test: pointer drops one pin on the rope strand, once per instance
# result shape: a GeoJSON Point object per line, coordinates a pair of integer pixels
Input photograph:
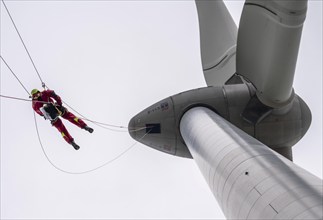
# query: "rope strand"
{"type": "Point", "coordinates": [36, 125]}
{"type": "Point", "coordinates": [14, 75]}
{"type": "Point", "coordinates": [21, 99]}
{"type": "Point", "coordinates": [22, 41]}
{"type": "Point", "coordinates": [100, 124]}
{"type": "Point", "coordinates": [87, 171]}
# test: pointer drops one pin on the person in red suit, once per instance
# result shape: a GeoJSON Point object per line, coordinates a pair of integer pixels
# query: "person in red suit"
{"type": "Point", "coordinates": [43, 103]}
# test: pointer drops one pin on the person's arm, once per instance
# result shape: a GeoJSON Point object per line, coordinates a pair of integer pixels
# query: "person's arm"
{"type": "Point", "coordinates": [37, 109]}
{"type": "Point", "coordinates": [52, 94]}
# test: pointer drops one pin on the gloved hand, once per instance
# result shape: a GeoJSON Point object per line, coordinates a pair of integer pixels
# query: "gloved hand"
{"type": "Point", "coordinates": [58, 104]}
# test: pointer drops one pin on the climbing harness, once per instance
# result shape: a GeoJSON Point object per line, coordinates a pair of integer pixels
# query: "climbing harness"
{"type": "Point", "coordinates": [50, 112]}
{"type": "Point", "coordinates": [100, 124]}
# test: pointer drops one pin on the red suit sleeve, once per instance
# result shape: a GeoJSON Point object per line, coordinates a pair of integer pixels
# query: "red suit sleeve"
{"type": "Point", "coordinates": [36, 106]}
{"type": "Point", "coordinates": [53, 95]}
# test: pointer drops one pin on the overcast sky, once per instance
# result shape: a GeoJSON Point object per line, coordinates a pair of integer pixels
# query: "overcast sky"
{"type": "Point", "coordinates": [109, 60]}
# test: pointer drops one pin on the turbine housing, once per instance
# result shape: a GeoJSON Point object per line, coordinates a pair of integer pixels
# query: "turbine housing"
{"type": "Point", "coordinates": [278, 128]}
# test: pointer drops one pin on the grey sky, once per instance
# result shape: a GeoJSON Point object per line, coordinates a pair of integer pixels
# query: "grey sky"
{"type": "Point", "coordinates": [109, 60]}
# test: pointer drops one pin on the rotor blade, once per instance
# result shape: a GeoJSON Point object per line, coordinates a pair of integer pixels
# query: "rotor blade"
{"type": "Point", "coordinates": [248, 180]}
{"type": "Point", "coordinates": [218, 36]}
{"type": "Point", "coordinates": [267, 48]}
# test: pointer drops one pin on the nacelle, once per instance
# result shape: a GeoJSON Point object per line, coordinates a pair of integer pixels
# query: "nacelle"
{"type": "Point", "coordinates": [277, 129]}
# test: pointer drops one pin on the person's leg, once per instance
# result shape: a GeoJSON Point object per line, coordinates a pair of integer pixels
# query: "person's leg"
{"type": "Point", "coordinates": [61, 128]}
{"type": "Point", "coordinates": [72, 118]}
{"type": "Point", "coordinates": [75, 120]}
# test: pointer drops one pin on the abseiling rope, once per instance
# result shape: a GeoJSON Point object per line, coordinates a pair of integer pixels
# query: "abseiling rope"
{"type": "Point", "coordinates": [22, 41]}
{"type": "Point", "coordinates": [42, 147]}
{"type": "Point", "coordinates": [87, 171]}
{"type": "Point", "coordinates": [100, 124]}
{"type": "Point", "coordinates": [106, 125]}
{"type": "Point", "coordinates": [60, 169]}
{"type": "Point", "coordinates": [12, 72]}
{"type": "Point", "coordinates": [36, 125]}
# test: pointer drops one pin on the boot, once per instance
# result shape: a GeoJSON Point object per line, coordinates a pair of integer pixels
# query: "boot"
{"type": "Point", "coordinates": [87, 128]}
{"type": "Point", "coordinates": [76, 147]}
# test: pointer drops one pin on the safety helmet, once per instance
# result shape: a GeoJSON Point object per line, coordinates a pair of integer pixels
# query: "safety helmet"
{"type": "Point", "coordinates": [34, 91]}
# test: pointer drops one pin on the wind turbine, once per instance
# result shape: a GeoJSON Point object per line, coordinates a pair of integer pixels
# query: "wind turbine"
{"type": "Point", "coordinates": [241, 128]}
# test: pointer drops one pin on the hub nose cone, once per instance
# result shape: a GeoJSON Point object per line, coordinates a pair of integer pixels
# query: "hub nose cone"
{"type": "Point", "coordinates": [156, 127]}
{"type": "Point", "coordinates": [132, 128]}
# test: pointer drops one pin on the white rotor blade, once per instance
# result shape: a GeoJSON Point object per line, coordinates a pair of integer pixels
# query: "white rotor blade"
{"type": "Point", "coordinates": [218, 36]}
{"type": "Point", "coordinates": [249, 180]}
{"type": "Point", "coordinates": [267, 48]}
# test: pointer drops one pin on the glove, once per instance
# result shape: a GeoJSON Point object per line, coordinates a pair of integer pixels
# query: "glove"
{"type": "Point", "coordinates": [57, 104]}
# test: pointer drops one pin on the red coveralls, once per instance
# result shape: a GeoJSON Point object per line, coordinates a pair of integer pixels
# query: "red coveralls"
{"type": "Point", "coordinates": [48, 96]}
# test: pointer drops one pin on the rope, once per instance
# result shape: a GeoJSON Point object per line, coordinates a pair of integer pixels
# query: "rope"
{"type": "Point", "coordinates": [110, 125]}
{"type": "Point", "coordinates": [116, 126]}
{"type": "Point", "coordinates": [44, 86]}
{"type": "Point", "coordinates": [94, 122]}
{"type": "Point", "coordinates": [22, 41]}
{"type": "Point", "coordinates": [100, 124]}
{"type": "Point", "coordinates": [14, 74]}
{"type": "Point", "coordinates": [49, 160]}
{"type": "Point", "coordinates": [87, 171]}
{"type": "Point", "coordinates": [10, 97]}
{"type": "Point", "coordinates": [21, 99]}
